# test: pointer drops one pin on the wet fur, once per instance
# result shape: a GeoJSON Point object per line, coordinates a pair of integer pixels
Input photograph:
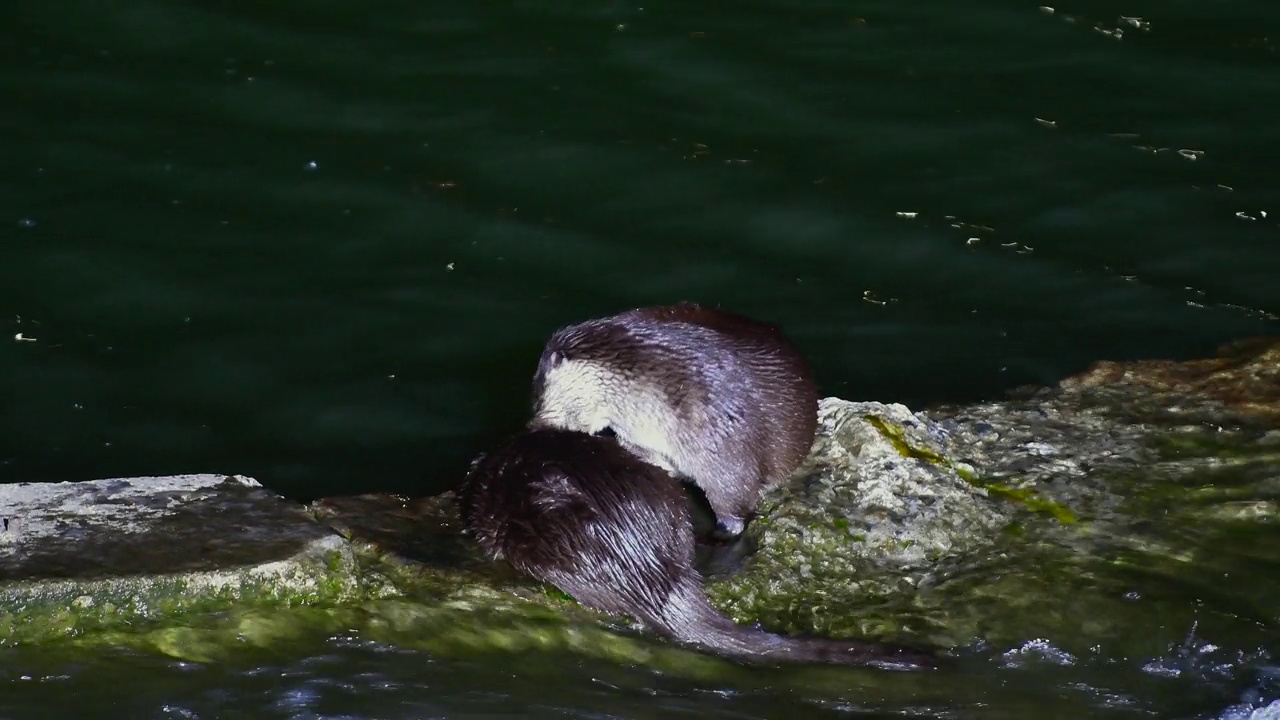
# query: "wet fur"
{"type": "Point", "coordinates": [719, 399]}
{"type": "Point", "coordinates": [584, 514]}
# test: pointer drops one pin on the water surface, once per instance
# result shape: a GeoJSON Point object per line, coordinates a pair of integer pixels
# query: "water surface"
{"type": "Point", "coordinates": [321, 244]}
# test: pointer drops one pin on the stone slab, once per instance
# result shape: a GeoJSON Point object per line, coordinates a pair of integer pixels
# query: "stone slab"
{"type": "Point", "coordinates": [77, 556]}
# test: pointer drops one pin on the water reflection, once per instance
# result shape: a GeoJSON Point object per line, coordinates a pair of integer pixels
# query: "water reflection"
{"type": "Point", "coordinates": [347, 677]}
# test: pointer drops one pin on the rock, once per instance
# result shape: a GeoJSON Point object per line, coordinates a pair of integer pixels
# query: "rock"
{"type": "Point", "coordinates": [1069, 444]}
{"type": "Point", "coordinates": [1240, 386]}
{"type": "Point", "coordinates": [440, 594]}
{"type": "Point", "coordinates": [875, 507]}
{"type": "Point", "coordinates": [110, 553]}
{"type": "Point", "coordinates": [1162, 463]}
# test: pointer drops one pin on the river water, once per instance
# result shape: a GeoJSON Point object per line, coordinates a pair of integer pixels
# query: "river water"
{"type": "Point", "coordinates": [321, 244]}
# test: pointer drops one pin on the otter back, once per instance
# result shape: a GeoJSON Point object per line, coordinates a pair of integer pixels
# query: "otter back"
{"type": "Point", "coordinates": [716, 398]}
{"type": "Point", "coordinates": [583, 513]}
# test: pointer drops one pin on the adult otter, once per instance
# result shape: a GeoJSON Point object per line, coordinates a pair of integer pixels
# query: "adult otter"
{"type": "Point", "coordinates": [715, 398]}
{"type": "Point", "coordinates": [583, 513]}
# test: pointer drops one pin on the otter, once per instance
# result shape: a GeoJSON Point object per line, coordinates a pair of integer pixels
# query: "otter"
{"type": "Point", "coordinates": [715, 398]}
{"type": "Point", "coordinates": [585, 514]}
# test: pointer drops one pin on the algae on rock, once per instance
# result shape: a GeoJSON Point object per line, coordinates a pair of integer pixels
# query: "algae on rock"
{"type": "Point", "coordinates": [122, 552]}
{"type": "Point", "coordinates": [843, 545]}
{"type": "Point", "coordinates": [953, 526]}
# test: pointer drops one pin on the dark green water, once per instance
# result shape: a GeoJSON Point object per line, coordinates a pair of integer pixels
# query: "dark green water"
{"type": "Point", "coordinates": [321, 244]}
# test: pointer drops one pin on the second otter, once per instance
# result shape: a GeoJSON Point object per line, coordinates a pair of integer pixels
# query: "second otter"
{"type": "Point", "coordinates": [586, 515]}
{"type": "Point", "coordinates": [713, 397]}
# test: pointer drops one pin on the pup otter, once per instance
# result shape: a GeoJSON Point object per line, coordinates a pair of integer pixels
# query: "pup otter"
{"type": "Point", "coordinates": [583, 513]}
{"type": "Point", "coordinates": [712, 397]}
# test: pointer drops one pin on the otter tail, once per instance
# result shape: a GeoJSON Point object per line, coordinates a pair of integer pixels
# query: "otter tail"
{"type": "Point", "coordinates": [690, 618]}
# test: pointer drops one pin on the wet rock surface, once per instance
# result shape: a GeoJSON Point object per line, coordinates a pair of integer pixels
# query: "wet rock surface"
{"type": "Point", "coordinates": [875, 507]}
{"type": "Point", "coordinates": [1166, 419]}
{"type": "Point", "coordinates": [1164, 464]}
{"type": "Point", "coordinates": [87, 555]}
{"type": "Point", "coordinates": [1117, 413]}
{"type": "Point", "coordinates": [1240, 386]}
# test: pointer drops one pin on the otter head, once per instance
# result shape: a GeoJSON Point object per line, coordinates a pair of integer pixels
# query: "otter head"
{"type": "Point", "coordinates": [572, 394]}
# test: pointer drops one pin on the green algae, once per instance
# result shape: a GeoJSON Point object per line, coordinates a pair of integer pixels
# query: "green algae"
{"type": "Point", "coordinates": [41, 610]}
{"type": "Point", "coordinates": [1222, 446]}
{"type": "Point", "coordinates": [1026, 497]}
{"type": "Point", "coordinates": [1029, 499]}
{"type": "Point", "coordinates": [897, 437]}
{"type": "Point", "coordinates": [469, 621]}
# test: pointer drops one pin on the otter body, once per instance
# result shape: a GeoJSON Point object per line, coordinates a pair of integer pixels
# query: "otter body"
{"type": "Point", "coordinates": [715, 398]}
{"type": "Point", "coordinates": [583, 513]}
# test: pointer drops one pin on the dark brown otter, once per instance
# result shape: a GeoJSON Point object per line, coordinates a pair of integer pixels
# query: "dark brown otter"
{"type": "Point", "coordinates": [715, 398]}
{"type": "Point", "coordinates": [583, 513]}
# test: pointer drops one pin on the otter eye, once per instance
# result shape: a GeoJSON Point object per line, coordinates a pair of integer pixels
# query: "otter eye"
{"type": "Point", "coordinates": [606, 432]}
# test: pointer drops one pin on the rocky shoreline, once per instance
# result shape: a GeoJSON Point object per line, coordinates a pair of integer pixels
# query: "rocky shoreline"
{"type": "Point", "coordinates": [891, 530]}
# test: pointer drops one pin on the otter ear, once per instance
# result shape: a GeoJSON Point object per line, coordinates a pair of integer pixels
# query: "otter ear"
{"type": "Point", "coordinates": [549, 362]}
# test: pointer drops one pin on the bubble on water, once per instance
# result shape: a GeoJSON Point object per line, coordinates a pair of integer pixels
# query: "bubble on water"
{"type": "Point", "coordinates": [312, 166]}
{"type": "Point", "coordinates": [298, 698]}
{"type": "Point", "coordinates": [26, 223]}
{"type": "Point", "coordinates": [1038, 649]}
